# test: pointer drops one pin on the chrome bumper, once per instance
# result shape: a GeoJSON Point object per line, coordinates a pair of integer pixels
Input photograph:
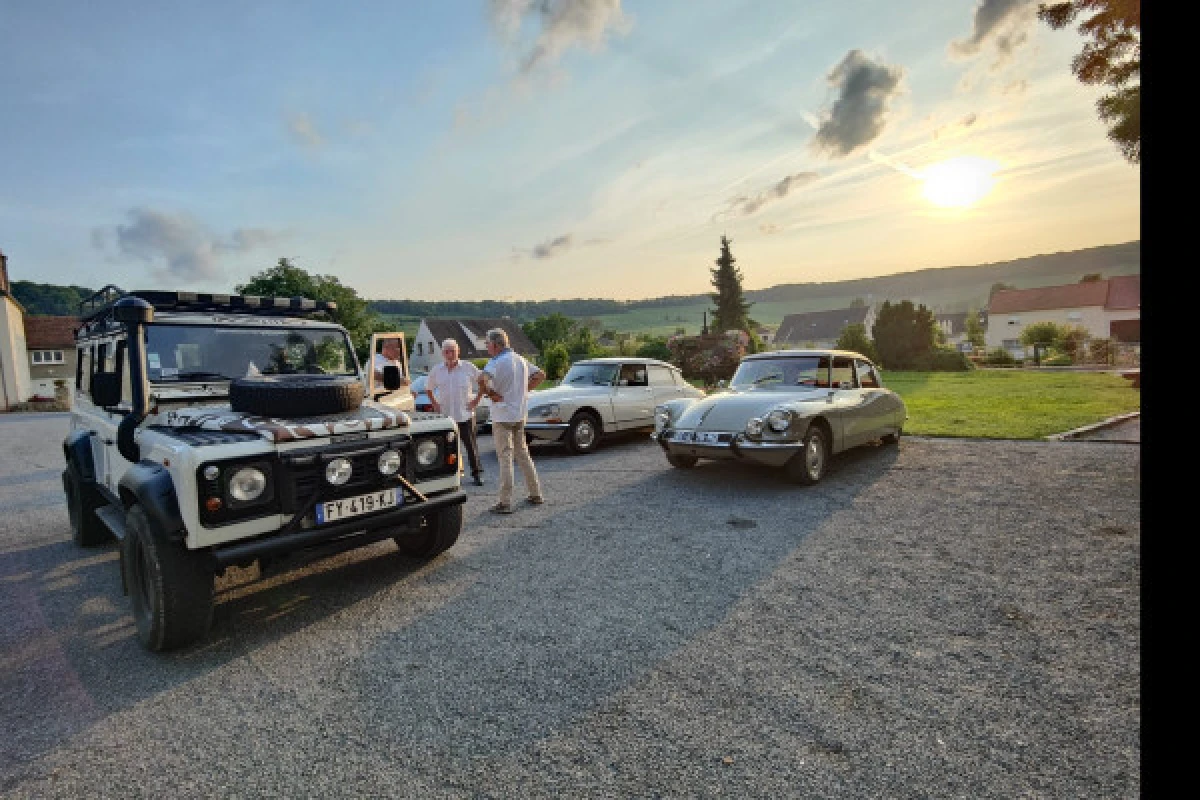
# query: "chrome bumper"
{"type": "Point", "coordinates": [546, 431]}
{"type": "Point", "coordinates": [773, 454]}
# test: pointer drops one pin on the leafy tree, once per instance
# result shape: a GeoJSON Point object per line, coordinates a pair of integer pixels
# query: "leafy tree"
{"type": "Point", "coordinates": [854, 337]}
{"type": "Point", "coordinates": [732, 310]}
{"type": "Point", "coordinates": [1113, 58]}
{"type": "Point", "coordinates": [556, 360]}
{"type": "Point", "coordinates": [974, 329]}
{"type": "Point", "coordinates": [48, 299]}
{"type": "Point", "coordinates": [904, 335]}
{"type": "Point", "coordinates": [287, 280]}
{"type": "Point", "coordinates": [548, 329]}
{"type": "Point", "coordinates": [1042, 333]}
{"type": "Point", "coordinates": [655, 347]}
{"type": "Point", "coordinates": [582, 344]}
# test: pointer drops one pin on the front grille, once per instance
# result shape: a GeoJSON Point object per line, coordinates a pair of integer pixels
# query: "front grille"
{"type": "Point", "coordinates": [304, 473]}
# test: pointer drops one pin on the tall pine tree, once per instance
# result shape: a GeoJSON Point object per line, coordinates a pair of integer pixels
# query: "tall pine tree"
{"type": "Point", "coordinates": [732, 310]}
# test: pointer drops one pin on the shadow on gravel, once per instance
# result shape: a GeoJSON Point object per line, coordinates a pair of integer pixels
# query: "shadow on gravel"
{"type": "Point", "coordinates": [589, 602]}
{"type": "Point", "coordinates": [68, 651]}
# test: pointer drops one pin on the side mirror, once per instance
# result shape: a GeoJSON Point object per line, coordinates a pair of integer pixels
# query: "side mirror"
{"type": "Point", "coordinates": [391, 378]}
{"type": "Point", "coordinates": [106, 389]}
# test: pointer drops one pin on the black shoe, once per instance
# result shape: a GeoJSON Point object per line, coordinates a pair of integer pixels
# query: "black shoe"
{"type": "Point", "coordinates": [478, 480]}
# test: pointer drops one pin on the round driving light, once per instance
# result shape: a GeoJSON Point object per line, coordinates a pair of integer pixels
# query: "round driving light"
{"type": "Point", "coordinates": [338, 471]}
{"type": "Point", "coordinates": [779, 420]}
{"type": "Point", "coordinates": [211, 473]}
{"type": "Point", "coordinates": [389, 462]}
{"type": "Point", "coordinates": [247, 484]}
{"type": "Point", "coordinates": [754, 426]}
{"type": "Point", "coordinates": [427, 453]}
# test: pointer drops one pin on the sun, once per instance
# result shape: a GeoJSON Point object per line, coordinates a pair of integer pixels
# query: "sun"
{"type": "Point", "coordinates": [958, 182]}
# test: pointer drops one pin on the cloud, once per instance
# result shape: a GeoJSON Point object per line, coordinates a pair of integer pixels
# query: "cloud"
{"type": "Point", "coordinates": [186, 247]}
{"type": "Point", "coordinates": [304, 131]}
{"type": "Point", "coordinates": [561, 24]}
{"type": "Point", "coordinates": [748, 205]}
{"type": "Point", "coordinates": [857, 117]}
{"type": "Point", "coordinates": [1002, 22]}
{"type": "Point", "coordinates": [556, 246]}
{"type": "Point", "coordinates": [769, 228]}
{"type": "Point", "coordinates": [964, 122]}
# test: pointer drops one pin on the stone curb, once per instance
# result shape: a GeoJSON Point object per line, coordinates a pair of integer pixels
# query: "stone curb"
{"type": "Point", "coordinates": [1108, 423]}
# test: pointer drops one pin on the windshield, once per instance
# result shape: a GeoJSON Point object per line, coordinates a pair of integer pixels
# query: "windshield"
{"type": "Point", "coordinates": [176, 353]}
{"type": "Point", "coordinates": [590, 375]}
{"type": "Point", "coordinates": [806, 371]}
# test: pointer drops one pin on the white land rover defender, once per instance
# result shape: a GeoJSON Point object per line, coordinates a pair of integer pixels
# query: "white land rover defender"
{"type": "Point", "coordinates": [216, 430]}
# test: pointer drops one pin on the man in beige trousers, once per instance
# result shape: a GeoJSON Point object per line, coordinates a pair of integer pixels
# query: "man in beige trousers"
{"type": "Point", "coordinates": [507, 380]}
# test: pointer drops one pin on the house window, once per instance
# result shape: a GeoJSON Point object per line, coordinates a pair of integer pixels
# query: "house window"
{"type": "Point", "coordinates": [1012, 344]}
{"type": "Point", "coordinates": [46, 356]}
{"type": "Point", "coordinates": [1014, 320]}
{"type": "Point", "coordinates": [419, 349]}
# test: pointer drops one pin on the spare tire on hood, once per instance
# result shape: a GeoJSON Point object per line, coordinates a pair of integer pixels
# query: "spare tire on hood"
{"type": "Point", "coordinates": [295, 395]}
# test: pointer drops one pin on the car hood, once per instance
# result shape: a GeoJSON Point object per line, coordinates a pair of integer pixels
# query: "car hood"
{"type": "Point", "coordinates": [367, 417]}
{"type": "Point", "coordinates": [729, 411]}
{"type": "Point", "coordinates": [568, 394]}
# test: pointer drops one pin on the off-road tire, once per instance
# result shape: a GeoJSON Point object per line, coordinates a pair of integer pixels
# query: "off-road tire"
{"type": "Point", "coordinates": [82, 501]}
{"type": "Point", "coordinates": [582, 434]}
{"type": "Point", "coordinates": [810, 464]}
{"type": "Point", "coordinates": [681, 462]}
{"type": "Point", "coordinates": [437, 535]}
{"type": "Point", "coordinates": [290, 396]}
{"type": "Point", "coordinates": [171, 588]}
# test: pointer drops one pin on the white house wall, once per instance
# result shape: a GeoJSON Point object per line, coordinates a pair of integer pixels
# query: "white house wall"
{"type": "Point", "coordinates": [424, 358]}
{"type": "Point", "coordinates": [1004, 327]}
{"type": "Point", "coordinates": [15, 386]}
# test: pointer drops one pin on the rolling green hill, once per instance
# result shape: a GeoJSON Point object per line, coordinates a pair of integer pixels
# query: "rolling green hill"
{"type": "Point", "coordinates": [943, 289]}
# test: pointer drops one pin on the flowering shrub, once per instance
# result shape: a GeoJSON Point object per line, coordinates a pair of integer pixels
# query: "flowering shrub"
{"type": "Point", "coordinates": [711, 357]}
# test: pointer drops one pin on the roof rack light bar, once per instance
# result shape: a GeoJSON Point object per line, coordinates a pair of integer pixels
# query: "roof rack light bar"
{"type": "Point", "coordinates": [101, 302]}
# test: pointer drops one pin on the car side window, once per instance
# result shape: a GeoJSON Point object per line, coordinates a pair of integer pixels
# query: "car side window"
{"type": "Point", "coordinates": [843, 373]}
{"type": "Point", "coordinates": [867, 377]}
{"type": "Point", "coordinates": [661, 376]}
{"type": "Point", "coordinates": [633, 375]}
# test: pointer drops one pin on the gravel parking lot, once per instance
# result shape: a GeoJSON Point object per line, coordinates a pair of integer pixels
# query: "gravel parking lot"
{"type": "Point", "coordinates": [949, 618]}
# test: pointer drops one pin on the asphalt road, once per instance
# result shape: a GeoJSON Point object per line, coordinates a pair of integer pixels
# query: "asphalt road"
{"type": "Point", "coordinates": [949, 618]}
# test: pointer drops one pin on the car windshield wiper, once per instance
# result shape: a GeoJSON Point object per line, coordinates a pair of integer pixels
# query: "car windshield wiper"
{"type": "Point", "coordinates": [199, 376]}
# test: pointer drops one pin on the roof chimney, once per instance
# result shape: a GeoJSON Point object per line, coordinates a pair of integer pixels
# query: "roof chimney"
{"type": "Point", "coordinates": [4, 274]}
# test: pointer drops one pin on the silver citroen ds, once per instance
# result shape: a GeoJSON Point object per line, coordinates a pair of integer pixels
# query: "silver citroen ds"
{"type": "Point", "coordinates": [791, 409]}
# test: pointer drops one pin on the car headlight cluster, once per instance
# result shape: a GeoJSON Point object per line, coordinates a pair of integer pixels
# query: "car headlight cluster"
{"type": "Point", "coordinates": [755, 426]}
{"type": "Point", "coordinates": [389, 462]}
{"type": "Point", "coordinates": [779, 420]}
{"type": "Point", "coordinates": [339, 471]}
{"type": "Point", "coordinates": [662, 417]}
{"type": "Point", "coordinates": [247, 484]}
{"type": "Point", "coordinates": [427, 453]}
{"type": "Point", "coordinates": [548, 410]}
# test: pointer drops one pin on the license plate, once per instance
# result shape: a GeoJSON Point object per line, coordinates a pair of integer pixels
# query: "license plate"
{"type": "Point", "coordinates": [334, 510]}
{"type": "Point", "coordinates": [701, 437]}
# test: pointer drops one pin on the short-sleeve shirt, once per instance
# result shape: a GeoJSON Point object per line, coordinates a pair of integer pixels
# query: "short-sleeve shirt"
{"type": "Point", "coordinates": [454, 387]}
{"type": "Point", "coordinates": [509, 374]}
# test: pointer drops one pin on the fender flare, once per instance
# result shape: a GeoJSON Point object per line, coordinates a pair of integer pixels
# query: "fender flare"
{"type": "Point", "coordinates": [77, 451]}
{"type": "Point", "coordinates": [150, 485]}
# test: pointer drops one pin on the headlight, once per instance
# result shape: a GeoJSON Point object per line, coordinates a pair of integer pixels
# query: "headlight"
{"type": "Point", "coordinates": [247, 484]}
{"type": "Point", "coordinates": [662, 417]}
{"type": "Point", "coordinates": [779, 420]}
{"type": "Point", "coordinates": [389, 462]}
{"type": "Point", "coordinates": [550, 410]}
{"type": "Point", "coordinates": [338, 471]}
{"type": "Point", "coordinates": [427, 453]}
{"type": "Point", "coordinates": [754, 426]}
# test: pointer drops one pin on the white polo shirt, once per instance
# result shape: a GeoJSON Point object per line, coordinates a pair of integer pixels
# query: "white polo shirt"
{"type": "Point", "coordinates": [509, 373]}
{"type": "Point", "coordinates": [455, 388]}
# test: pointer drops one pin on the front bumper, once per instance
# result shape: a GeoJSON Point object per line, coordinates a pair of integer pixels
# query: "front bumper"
{"type": "Point", "coordinates": [353, 532]}
{"type": "Point", "coordinates": [546, 431]}
{"type": "Point", "coordinates": [737, 447]}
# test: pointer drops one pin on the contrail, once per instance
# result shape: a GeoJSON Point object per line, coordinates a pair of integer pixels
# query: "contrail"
{"type": "Point", "coordinates": [899, 166]}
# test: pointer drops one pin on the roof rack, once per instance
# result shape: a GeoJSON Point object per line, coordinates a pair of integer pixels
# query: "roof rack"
{"type": "Point", "coordinates": [98, 306]}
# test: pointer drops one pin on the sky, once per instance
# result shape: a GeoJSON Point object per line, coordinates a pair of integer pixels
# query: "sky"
{"type": "Point", "coordinates": [540, 149]}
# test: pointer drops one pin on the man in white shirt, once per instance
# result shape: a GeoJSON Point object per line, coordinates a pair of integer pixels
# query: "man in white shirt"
{"type": "Point", "coordinates": [389, 357]}
{"type": "Point", "coordinates": [507, 380]}
{"type": "Point", "coordinates": [452, 391]}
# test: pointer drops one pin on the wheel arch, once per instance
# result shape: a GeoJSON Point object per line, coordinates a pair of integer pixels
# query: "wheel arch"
{"type": "Point", "coordinates": [77, 452]}
{"type": "Point", "coordinates": [591, 411]}
{"type": "Point", "coordinates": [149, 485]}
{"type": "Point", "coordinates": [826, 427]}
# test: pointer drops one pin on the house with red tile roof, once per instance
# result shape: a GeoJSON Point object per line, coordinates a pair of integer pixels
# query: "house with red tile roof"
{"type": "Point", "coordinates": [50, 343]}
{"type": "Point", "coordinates": [1108, 309]}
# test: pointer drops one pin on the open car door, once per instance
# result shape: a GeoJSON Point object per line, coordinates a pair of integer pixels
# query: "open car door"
{"type": "Point", "coordinates": [402, 398]}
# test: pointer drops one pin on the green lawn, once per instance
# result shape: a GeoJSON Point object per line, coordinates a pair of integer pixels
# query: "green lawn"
{"type": "Point", "coordinates": [1009, 403]}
